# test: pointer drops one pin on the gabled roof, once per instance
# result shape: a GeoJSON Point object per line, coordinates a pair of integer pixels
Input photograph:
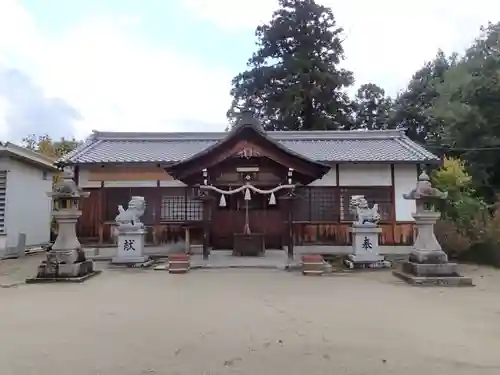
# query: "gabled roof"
{"type": "Point", "coordinates": [27, 156]}
{"type": "Point", "coordinates": [246, 130]}
{"type": "Point", "coordinates": [323, 146]}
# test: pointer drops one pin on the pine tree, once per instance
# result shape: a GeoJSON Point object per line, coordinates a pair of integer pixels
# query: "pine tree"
{"type": "Point", "coordinates": [294, 81]}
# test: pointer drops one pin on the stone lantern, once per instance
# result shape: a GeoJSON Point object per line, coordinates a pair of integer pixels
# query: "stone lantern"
{"type": "Point", "coordinates": [428, 263]}
{"type": "Point", "coordinates": [66, 259]}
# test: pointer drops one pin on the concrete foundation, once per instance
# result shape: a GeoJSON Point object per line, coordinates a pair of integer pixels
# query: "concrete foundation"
{"type": "Point", "coordinates": [441, 274]}
{"type": "Point", "coordinates": [47, 279]}
{"type": "Point", "coordinates": [433, 280]}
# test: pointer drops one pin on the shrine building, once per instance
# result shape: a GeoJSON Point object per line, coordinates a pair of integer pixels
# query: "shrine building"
{"type": "Point", "coordinates": [301, 183]}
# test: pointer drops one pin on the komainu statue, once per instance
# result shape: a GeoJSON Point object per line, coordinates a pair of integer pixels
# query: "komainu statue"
{"type": "Point", "coordinates": [358, 205]}
{"type": "Point", "coordinates": [129, 219]}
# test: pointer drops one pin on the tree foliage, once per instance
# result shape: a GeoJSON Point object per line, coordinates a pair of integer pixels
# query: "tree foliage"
{"type": "Point", "coordinates": [46, 146]}
{"type": "Point", "coordinates": [463, 206]}
{"type": "Point", "coordinates": [372, 109]}
{"type": "Point", "coordinates": [294, 81]}
{"type": "Point", "coordinates": [412, 108]}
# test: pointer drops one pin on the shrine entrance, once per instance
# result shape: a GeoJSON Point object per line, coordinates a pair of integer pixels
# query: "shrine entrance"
{"type": "Point", "coordinates": [247, 183]}
{"type": "Point", "coordinates": [265, 216]}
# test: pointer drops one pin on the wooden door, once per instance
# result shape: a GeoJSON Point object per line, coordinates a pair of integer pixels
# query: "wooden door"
{"type": "Point", "coordinates": [263, 218]}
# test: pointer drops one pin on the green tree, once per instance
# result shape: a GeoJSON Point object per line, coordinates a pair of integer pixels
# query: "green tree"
{"type": "Point", "coordinates": [46, 146]}
{"type": "Point", "coordinates": [468, 104]}
{"type": "Point", "coordinates": [462, 205]}
{"type": "Point", "coordinates": [294, 81]}
{"type": "Point", "coordinates": [372, 108]}
{"type": "Point", "coordinates": [412, 107]}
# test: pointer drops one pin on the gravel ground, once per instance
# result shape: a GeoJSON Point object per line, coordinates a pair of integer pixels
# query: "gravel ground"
{"type": "Point", "coordinates": [259, 322]}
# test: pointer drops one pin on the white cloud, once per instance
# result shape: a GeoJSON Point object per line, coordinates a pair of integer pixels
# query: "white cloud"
{"type": "Point", "coordinates": [115, 81]}
{"type": "Point", "coordinates": [386, 40]}
{"type": "Point", "coordinates": [4, 108]}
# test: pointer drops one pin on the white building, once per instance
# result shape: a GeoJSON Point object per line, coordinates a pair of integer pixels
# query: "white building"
{"type": "Point", "coordinates": [25, 180]}
{"type": "Point", "coordinates": [330, 167]}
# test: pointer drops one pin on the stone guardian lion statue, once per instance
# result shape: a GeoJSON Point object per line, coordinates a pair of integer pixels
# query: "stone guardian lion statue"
{"type": "Point", "coordinates": [358, 205]}
{"type": "Point", "coordinates": [129, 219]}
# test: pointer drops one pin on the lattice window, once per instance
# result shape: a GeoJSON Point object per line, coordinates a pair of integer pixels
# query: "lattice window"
{"type": "Point", "coordinates": [302, 205]}
{"type": "Point", "coordinates": [323, 204]}
{"type": "Point", "coordinates": [316, 204]}
{"type": "Point", "coordinates": [380, 195]}
{"type": "Point", "coordinates": [181, 206]}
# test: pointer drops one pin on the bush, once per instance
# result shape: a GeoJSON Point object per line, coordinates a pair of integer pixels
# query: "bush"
{"type": "Point", "coordinates": [486, 249]}
{"type": "Point", "coordinates": [482, 253]}
{"type": "Point", "coordinates": [453, 241]}
{"type": "Point", "coordinates": [462, 206]}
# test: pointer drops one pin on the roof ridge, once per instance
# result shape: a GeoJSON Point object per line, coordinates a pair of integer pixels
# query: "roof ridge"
{"type": "Point", "coordinates": [89, 143]}
{"type": "Point", "coordinates": [276, 134]}
{"type": "Point", "coordinates": [416, 148]}
{"type": "Point", "coordinates": [31, 155]}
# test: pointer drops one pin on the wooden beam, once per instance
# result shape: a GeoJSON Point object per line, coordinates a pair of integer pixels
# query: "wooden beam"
{"type": "Point", "coordinates": [102, 212]}
{"type": "Point", "coordinates": [337, 190]}
{"type": "Point", "coordinates": [280, 157]}
{"type": "Point", "coordinates": [393, 199]}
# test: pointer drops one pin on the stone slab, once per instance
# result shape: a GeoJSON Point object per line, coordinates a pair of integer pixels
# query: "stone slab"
{"type": "Point", "coordinates": [418, 269]}
{"type": "Point", "coordinates": [444, 281]}
{"type": "Point", "coordinates": [367, 257]}
{"type": "Point", "coordinates": [161, 267]}
{"type": "Point", "coordinates": [371, 265]}
{"type": "Point", "coordinates": [129, 260]}
{"type": "Point", "coordinates": [39, 280]}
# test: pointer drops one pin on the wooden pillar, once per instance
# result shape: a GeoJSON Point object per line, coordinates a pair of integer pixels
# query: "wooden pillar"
{"type": "Point", "coordinates": [187, 239]}
{"type": "Point", "coordinates": [156, 202]}
{"type": "Point", "coordinates": [290, 230]}
{"type": "Point", "coordinates": [289, 198]}
{"type": "Point", "coordinates": [206, 198]}
{"type": "Point", "coordinates": [102, 209]}
{"type": "Point", "coordinates": [393, 199]}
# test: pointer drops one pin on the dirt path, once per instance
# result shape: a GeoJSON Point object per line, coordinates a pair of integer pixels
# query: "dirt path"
{"type": "Point", "coordinates": [133, 322]}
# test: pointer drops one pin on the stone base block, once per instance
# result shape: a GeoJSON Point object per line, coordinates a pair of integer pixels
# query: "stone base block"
{"type": "Point", "coordinates": [49, 279]}
{"type": "Point", "coordinates": [373, 265]}
{"type": "Point", "coordinates": [365, 258]}
{"type": "Point", "coordinates": [79, 269]}
{"type": "Point", "coordinates": [76, 269]}
{"type": "Point", "coordinates": [428, 257]}
{"type": "Point", "coordinates": [449, 281]}
{"type": "Point", "coordinates": [431, 270]}
{"type": "Point", "coordinates": [129, 260]}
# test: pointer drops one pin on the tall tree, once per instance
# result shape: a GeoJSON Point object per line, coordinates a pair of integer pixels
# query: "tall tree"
{"type": "Point", "coordinates": [412, 107]}
{"type": "Point", "coordinates": [469, 105]}
{"type": "Point", "coordinates": [294, 81]}
{"type": "Point", "coordinates": [46, 146]}
{"type": "Point", "coordinates": [372, 108]}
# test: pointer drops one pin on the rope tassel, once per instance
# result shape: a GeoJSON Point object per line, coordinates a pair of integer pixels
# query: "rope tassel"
{"type": "Point", "coordinates": [248, 196]}
{"type": "Point", "coordinates": [222, 202]}
{"type": "Point", "coordinates": [272, 199]}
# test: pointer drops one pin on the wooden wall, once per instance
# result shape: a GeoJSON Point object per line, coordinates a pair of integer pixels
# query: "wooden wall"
{"type": "Point", "coordinates": [96, 224]}
{"type": "Point", "coordinates": [89, 224]}
{"type": "Point", "coordinates": [401, 234]}
{"type": "Point", "coordinates": [126, 173]}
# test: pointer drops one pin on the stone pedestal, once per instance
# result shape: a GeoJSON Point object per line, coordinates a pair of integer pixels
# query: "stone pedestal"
{"type": "Point", "coordinates": [66, 260]}
{"type": "Point", "coordinates": [365, 247]}
{"type": "Point", "coordinates": [428, 263]}
{"type": "Point", "coordinates": [130, 247]}
{"type": "Point", "coordinates": [426, 248]}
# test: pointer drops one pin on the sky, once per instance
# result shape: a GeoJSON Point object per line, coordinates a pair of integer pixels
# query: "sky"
{"type": "Point", "coordinates": [68, 67]}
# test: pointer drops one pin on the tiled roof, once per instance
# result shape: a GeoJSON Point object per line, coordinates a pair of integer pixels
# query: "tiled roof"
{"type": "Point", "coordinates": [327, 146]}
